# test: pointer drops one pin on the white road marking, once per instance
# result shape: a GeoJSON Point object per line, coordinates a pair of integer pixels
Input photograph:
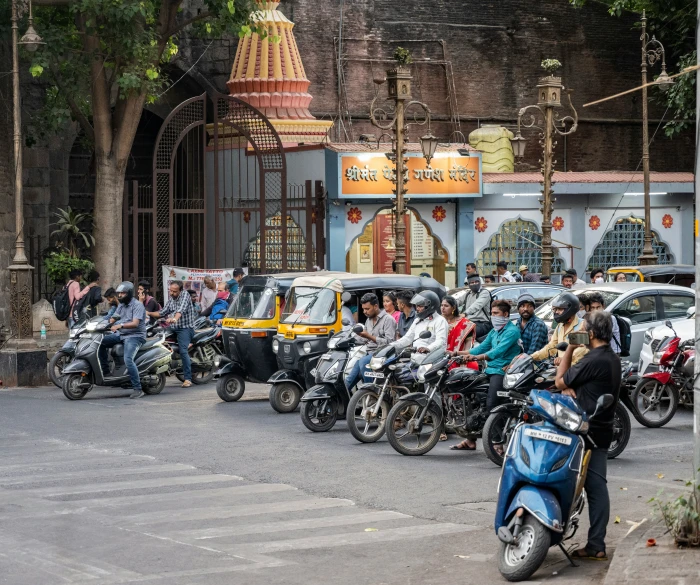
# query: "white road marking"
{"type": "Point", "coordinates": [658, 446]}
{"type": "Point", "coordinates": [91, 473]}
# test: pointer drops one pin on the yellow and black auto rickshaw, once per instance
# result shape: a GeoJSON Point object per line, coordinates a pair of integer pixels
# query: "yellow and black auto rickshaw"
{"type": "Point", "coordinates": [248, 329]}
{"type": "Point", "coordinates": [313, 314]}
{"type": "Point", "coordinates": [680, 274]}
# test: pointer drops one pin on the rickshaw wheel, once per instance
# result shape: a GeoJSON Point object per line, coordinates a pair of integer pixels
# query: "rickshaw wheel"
{"type": "Point", "coordinates": [285, 397]}
{"type": "Point", "coordinates": [230, 387]}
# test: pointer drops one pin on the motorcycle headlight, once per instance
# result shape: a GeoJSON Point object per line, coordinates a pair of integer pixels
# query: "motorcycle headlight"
{"type": "Point", "coordinates": [332, 371]}
{"type": "Point", "coordinates": [92, 325]}
{"type": "Point", "coordinates": [275, 345]}
{"type": "Point", "coordinates": [422, 371]}
{"type": "Point", "coordinates": [567, 418]}
{"type": "Point", "coordinates": [511, 380]}
{"type": "Point", "coordinates": [332, 343]}
{"type": "Point", "coordinates": [547, 406]}
{"type": "Point", "coordinates": [306, 347]}
{"type": "Point", "coordinates": [376, 363]}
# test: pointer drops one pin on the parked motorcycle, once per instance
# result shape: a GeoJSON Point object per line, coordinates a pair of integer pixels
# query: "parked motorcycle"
{"type": "Point", "coordinates": [416, 421]}
{"type": "Point", "coordinates": [540, 495]}
{"type": "Point", "coordinates": [658, 394]}
{"type": "Point", "coordinates": [327, 400]}
{"type": "Point", "coordinates": [523, 375]}
{"type": "Point", "coordinates": [84, 372]}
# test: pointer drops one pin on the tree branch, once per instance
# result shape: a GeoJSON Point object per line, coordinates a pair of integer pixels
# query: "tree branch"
{"type": "Point", "coordinates": [185, 23]}
{"type": "Point", "coordinates": [72, 104]}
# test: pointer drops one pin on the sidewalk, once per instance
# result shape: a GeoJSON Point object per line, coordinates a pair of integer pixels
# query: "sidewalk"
{"type": "Point", "coordinates": [635, 563]}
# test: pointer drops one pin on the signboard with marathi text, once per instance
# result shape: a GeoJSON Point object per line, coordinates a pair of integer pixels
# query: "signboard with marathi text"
{"type": "Point", "coordinates": [446, 176]}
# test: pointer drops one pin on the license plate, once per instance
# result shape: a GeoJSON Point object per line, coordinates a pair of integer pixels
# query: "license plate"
{"type": "Point", "coordinates": [503, 394]}
{"type": "Point", "coordinates": [289, 335]}
{"type": "Point", "coordinates": [375, 375]}
{"type": "Point", "coordinates": [547, 436]}
{"type": "Point", "coordinates": [325, 356]}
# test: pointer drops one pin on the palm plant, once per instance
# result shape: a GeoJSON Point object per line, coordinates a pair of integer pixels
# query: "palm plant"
{"type": "Point", "coordinates": [70, 230]}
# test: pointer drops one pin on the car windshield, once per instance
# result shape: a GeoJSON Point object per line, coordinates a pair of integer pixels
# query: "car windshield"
{"type": "Point", "coordinates": [253, 302]}
{"type": "Point", "coordinates": [545, 311]}
{"type": "Point", "coordinates": [310, 306]}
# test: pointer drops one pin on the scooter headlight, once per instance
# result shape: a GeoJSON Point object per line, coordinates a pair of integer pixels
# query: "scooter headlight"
{"type": "Point", "coordinates": [422, 371]}
{"type": "Point", "coordinates": [511, 380]}
{"type": "Point", "coordinates": [376, 363]}
{"type": "Point", "coordinates": [332, 343]}
{"type": "Point", "coordinates": [92, 325]}
{"type": "Point", "coordinates": [332, 371]}
{"type": "Point", "coordinates": [547, 406]}
{"type": "Point", "coordinates": [275, 345]}
{"type": "Point", "coordinates": [567, 418]}
{"type": "Point", "coordinates": [306, 347]}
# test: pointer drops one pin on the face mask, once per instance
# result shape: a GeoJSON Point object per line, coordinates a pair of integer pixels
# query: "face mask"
{"type": "Point", "coordinates": [599, 280]}
{"type": "Point", "coordinates": [475, 287]}
{"type": "Point", "coordinates": [581, 313]}
{"type": "Point", "coordinates": [499, 322]}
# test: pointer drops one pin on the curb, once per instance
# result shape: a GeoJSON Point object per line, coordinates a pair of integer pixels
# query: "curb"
{"type": "Point", "coordinates": [624, 551]}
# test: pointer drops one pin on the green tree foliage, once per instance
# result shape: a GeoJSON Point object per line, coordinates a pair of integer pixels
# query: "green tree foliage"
{"type": "Point", "coordinates": [673, 23]}
{"type": "Point", "coordinates": [70, 232]}
{"type": "Point", "coordinates": [59, 265]}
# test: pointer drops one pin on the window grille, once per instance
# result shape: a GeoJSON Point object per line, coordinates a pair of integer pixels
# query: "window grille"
{"type": "Point", "coordinates": [622, 245]}
{"type": "Point", "coordinates": [517, 242]}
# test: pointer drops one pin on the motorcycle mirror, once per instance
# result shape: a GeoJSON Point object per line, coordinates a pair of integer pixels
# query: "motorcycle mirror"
{"type": "Point", "coordinates": [345, 322]}
{"type": "Point", "coordinates": [669, 324]}
{"type": "Point", "coordinates": [425, 335]}
{"type": "Point", "coordinates": [562, 346]}
{"type": "Point", "coordinates": [358, 328]}
{"type": "Point", "coordinates": [604, 402]}
{"type": "Point", "coordinates": [345, 297]}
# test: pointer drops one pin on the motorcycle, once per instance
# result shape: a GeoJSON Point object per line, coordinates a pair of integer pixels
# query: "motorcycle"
{"type": "Point", "coordinates": [523, 375]}
{"type": "Point", "coordinates": [540, 494]}
{"type": "Point", "coordinates": [324, 403]}
{"type": "Point", "coordinates": [85, 372]}
{"type": "Point", "coordinates": [462, 406]}
{"type": "Point", "coordinates": [205, 347]}
{"type": "Point", "coordinates": [630, 377]}
{"type": "Point", "coordinates": [658, 394]}
{"type": "Point", "coordinates": [395, 376]}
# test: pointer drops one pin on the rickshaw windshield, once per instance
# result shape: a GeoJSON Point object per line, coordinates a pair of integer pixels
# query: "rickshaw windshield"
{"type": "Point", "coordinates": [632, 276]}
{"type": "Point", "coordinates": [310, 306]}
{"type": "Point", "coordinates": [253, 302]}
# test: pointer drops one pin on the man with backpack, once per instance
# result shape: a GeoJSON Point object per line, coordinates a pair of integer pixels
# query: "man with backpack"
{"type": "Point", "coordinates": [477, 306]}
{"type": "Point", "coordinates": [621, 332]}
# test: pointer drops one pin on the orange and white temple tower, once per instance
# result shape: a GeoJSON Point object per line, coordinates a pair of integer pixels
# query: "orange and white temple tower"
{"type": "Point", "coordinates": [270, 76]}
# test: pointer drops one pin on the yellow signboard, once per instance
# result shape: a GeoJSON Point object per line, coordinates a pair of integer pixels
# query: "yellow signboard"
{"type": "Point", "coordinates": [371, 174]}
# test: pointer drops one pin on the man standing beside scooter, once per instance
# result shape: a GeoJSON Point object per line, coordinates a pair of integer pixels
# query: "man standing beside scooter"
{"type": "Point", "coordinates": [130, 330]}
{"type": "Point", "coordinates": [182, 321]}
{"type": "Point", "coordinates": [597, 373]}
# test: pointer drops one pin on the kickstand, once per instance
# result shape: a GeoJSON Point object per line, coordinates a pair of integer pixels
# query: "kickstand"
{"type": "Point", "coordinates": [567, 555]}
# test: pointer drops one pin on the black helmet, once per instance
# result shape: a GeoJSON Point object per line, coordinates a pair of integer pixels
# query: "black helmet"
{"type": "Point", "coordinates": [567, 301]}
{"type": "Point", "coordinates": [128, 288]}
{"type": "Point", "coordinates": [427, 299]}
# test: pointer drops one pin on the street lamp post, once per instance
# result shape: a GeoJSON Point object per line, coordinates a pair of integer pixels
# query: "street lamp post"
{"type": "Point", "coordinates": [549, 91]}
{"type": "Point", "coordinates": [399, 82]}
{"type": "Point", "coordinates": [652, 51]}
{"type": "Point", "coordinates": [20, 269]}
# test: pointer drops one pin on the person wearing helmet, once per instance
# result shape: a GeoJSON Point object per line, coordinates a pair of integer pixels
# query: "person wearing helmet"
{"type": "Point", "coordinates": [129, 328]}
{"type": "Point", "coordinates": [428, 318]}
{"type": "Point", "coordinates": [565, 308]}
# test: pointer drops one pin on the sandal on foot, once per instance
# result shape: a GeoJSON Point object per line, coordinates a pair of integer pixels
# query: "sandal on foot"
{"type": "Point", "coordinates": [186, 384]}
{"type": "Point", "coordinates": [584, 553]}
{"type": "Point", "coordinates": [443, 437]}
{"type": "Point", "coordinates": [462, 447]}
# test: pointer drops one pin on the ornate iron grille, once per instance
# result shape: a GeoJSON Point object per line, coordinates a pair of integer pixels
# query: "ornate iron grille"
{"type": "Point", "coordinates": [294, 249]}
{"type": "Point", "coordinates": [622, 245]}
{"type": "Point", "coordinates": [517, 242]}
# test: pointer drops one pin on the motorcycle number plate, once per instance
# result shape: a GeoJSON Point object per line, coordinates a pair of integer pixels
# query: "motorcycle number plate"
{"type": "Point", "coordinates": [325, 356]}
{"type": "Point", "coordinates": [375, 375]}
{"type": "Point", "coordinates": [503, 394]}
{"type": "Point", "coordinates": [547, 436]}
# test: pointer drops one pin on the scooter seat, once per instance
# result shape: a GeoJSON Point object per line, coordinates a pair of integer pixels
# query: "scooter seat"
{"type": "Point", "coordinates": [149, 344]}
{"type": "Point", "coordinates": [202, 334]}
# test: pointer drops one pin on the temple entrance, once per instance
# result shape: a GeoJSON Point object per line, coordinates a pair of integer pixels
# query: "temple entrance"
{"type": "Point", "coordinates": [374, 251]}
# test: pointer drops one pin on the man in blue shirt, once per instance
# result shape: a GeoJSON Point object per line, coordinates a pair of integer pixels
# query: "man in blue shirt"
{"type": "Point", "coordinates": [129, 329]}
{"type": "Point", "coordinates": [534, 332]}
{"type": "Point", "coordinates": [234, 283]}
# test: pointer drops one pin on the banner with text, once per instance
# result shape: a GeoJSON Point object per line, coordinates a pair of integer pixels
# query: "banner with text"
{"type": "Point", "coordinates": [192, 278]}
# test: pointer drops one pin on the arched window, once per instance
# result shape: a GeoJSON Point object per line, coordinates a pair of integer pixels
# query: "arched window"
{"type": "Point", "coordinates": [622, 245]}
{"type": "Point", "coordinates": [517, 242]}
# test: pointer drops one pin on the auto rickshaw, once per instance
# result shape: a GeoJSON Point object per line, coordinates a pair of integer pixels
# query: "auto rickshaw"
{"type": "Point", "coordinates": [313, 314]}
{"type": "Point", "coordinates": [248, 329]}
{"type": "Point", "coordinates": [680, 274]}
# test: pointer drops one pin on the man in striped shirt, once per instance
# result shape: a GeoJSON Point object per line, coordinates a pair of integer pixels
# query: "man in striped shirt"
{"type": "Point", "coordinates": [534, 333]}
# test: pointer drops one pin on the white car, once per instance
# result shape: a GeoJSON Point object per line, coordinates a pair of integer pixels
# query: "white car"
{"type": "Point", "coordinates": [655, 335]}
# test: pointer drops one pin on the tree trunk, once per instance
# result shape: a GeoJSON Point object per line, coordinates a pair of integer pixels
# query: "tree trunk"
{"type": "Point", "coordinates": [109, 196]}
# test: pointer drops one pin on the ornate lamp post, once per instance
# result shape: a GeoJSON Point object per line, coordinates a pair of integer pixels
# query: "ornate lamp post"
{"type": "Point", "coordinates": [549, 91]}
{"type": "Point", "coordinates": [20, 270]}
{"type": "Point", "coordinates": [652, 51]}
{"type": "Point", "coordinates": [394, 120]}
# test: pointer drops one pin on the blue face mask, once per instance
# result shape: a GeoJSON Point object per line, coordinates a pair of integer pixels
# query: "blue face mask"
{"type": "Point", "coordinates": [499, 322]}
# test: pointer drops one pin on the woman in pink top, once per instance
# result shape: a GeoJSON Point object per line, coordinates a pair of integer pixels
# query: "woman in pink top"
{"type": "Point", "coordinates": [391, 306]}
{"type": "Point", "coordinates": [74, 292]}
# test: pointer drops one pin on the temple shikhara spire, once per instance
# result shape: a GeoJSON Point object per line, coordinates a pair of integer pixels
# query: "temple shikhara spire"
{"type": "Point", "coordinates": [269, 75]}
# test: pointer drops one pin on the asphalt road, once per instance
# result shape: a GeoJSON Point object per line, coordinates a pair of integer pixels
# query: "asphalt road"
{"type": "Point", "coordinates": [182, 488]}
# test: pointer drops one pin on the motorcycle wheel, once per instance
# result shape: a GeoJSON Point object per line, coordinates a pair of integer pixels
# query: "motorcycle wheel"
{"type": "Point", "coordinates": [363, 425]}
{"type": "Point", "coordinates": [202, 377]}
{"type": "Point", "coordinates": [59, 361]}
{"type": "Point", "coordinates": [157, 389]}
{"type": "Point", "coordinates": [650, 397]}
{"type": "Point", "coordinates": [519, 562]}
{"type": "Point", "coordinates": [285, 397]}
{"type": "Point", "coordinates": [320, 415]}
{"type": "Point", "coordinates": [230, 387]}
{"type": "Point", "coordinates": [71, 387]}
{"type": "Point", "coordinates": [401, 423]}
{"type": "Point", "coordinates": [622, 429]}
{"type": "Point", "coordinates": [497, 431]}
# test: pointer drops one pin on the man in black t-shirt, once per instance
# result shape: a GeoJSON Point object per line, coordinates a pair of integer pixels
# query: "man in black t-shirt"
{"type": "Point", "coordinates": [596, 374]}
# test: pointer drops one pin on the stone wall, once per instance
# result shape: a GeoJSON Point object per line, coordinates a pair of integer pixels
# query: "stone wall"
{"type": "Point", "coordinates": [7, 216]}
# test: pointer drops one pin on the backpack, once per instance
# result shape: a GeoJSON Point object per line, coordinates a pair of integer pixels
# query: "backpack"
{"type": "Point", "coordinates": [625, 340]}
{"type": "Point", "coordinates": [61, 303]}
{"type": "Point", "coordinates": [89, 302]}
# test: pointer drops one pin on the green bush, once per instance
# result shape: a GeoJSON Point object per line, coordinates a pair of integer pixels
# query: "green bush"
{"type": "Point", "coordinates": [59, 264]}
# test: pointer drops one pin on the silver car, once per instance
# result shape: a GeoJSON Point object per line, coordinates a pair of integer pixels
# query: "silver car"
{"type": "Point", "coordinates": [643, 304]}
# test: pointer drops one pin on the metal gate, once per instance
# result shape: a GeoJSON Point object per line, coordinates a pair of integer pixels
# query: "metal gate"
{"type": "Point", "coordinates": [219, 195]}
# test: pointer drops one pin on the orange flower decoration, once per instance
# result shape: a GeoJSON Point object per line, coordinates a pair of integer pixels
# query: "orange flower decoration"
{"type": "Point", "coordinates": [354, 215]}
{"type": "Point", "coordinates": [667, 221]}
{"type": "Point", "coordinates": [481, 224]}
{"type": "Point", "coordinates": [439, 213]}
{"type": "Point", "coordinates": [594, 222]}
{"type": "Point", "coordinates": [557, 223]}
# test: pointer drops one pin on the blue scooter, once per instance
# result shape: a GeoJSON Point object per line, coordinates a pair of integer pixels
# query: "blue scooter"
{"type": "Point", "coordinates": [540, 494]}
